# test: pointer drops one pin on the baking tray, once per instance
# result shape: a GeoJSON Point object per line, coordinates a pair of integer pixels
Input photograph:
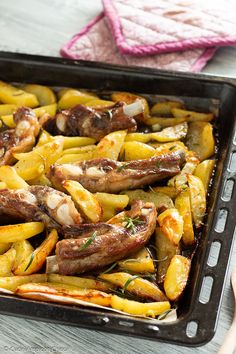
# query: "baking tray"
{"type": "Point", "coordinates": [200, 306]}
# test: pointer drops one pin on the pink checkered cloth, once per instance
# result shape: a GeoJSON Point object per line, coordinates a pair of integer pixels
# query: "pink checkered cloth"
{"type": "Point", "coordinates": [167, 34]}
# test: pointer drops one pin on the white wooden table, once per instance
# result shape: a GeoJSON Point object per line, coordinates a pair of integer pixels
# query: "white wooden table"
{"type": "Point", "coordinates": [42, 27]}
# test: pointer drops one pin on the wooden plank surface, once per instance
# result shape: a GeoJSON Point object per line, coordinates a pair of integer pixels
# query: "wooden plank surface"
{"type": "Point", "coordinates": [42, 27]}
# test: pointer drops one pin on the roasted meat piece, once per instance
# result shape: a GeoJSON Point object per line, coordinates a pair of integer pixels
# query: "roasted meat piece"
{"type": "Point", "coordinates": [39, 203]}
{"type": "Point", "coordinates": [87, 248]}
{"type": "Point", "coordinates": [95, 123]}
{"type": "Point", "coordinates": [104, 175]}
{"type": "Point", "coordinates": [20, 139]}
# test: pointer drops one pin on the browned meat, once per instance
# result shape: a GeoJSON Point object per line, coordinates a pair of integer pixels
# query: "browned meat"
{"type": "Point", "coordinates": [105, 243]}
{"type": "Point", "coordinates": [20, 139]}
{"type": "Point", "coordinates": [104, 175]}
{"type": "Point", "coordinates": [84, 121]}
{"type": "Point", "coordinates": [39, 203]}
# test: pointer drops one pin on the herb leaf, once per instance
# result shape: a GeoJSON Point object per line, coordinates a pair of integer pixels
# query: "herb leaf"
{"type": "Point", "coordinates": [122, 167]}
{"type": "Point", "coordinates": [131, 223]}
{"type": "Point", "coordinates": [30, 261]}
{"type": "Point", "coordinates": [109, 269]}
{"type": "Point", "coordinates": [163, 315]}
{"type": "Point", "coordinates": [89, 241]}
{"type": "Point", "coordinates": [158, 164]}
{"type": "Point", "coordinates": [129, 281]}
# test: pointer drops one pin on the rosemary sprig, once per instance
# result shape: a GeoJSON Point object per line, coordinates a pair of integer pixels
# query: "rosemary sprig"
{"type": "Point", "coordinates": [172, 147]}
{"type": "Point", "coordinates": [163, 315]}
{"type": "Point", "coordinates": [89, 241]}
{"type": "Point", "coordinates": [158, 164]}
{"type": "Point", "coordinates": [109, 269]}
{"type": "Point", "coordinates": [129, 281]}
{"type": "Point", "coordinates": [131, 223]}
{"type": "Point", "coordinates": [30, 261]}
{"type": "Point", "coordinates": [122, 167]}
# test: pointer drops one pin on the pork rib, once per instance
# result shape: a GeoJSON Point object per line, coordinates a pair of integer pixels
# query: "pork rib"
{"type": "Point", "coordinates": [111, 242]}
{"type": "Point", "coordinates": [104, 175]}
{"type": "Point", "coordinates": [20, 139]}
{"type": "Point", "coordinates": [39, 203]}
{"type": "Point", "coordinates": [85, 121]}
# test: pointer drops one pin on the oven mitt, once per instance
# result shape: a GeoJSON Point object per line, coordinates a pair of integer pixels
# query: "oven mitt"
{"type": "Point", "coordinates": [96, 43]}
{"type": "Point", "coordinates": [147, 27]}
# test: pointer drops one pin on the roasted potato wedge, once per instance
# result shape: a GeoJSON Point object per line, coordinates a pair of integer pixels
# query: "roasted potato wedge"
{"type": "Point", "coordinates": [11, 283]}
{"type": "Point", "coordinates": [200, 139]}
{"type": "Point", "coordinates": [98, 103]}
{"type": "Point", "coordinates": [23, 250]}
{"type": "Point", "coordinates": [140, 262]}
{"type": "Point", "coordinates": [35, 290]}
{"type": "Point", "coordinates": [110, 146]}
{"type": "Point", "coordinates": [159, 199]}
{"type": "Point", "coordinates": [37, 258]}
{"type": "Point", "coordinates": [44, 94]}
{"type": "Point", "coordinates": [169, 134]}
{"type": "Point", "coordinates": [7, 109]}
{"type": "Point", "coordinates": [32, 164]}
{"type": "Point", "coordinates": [79, 150]}
{"type": "Point", "coordinates": [3, 185]}
{"type": "Point", "coordinates": [44, 138]}
{"type": "Point", "coordinates": [6, 262]}
{"type": "Point", "coordinates": [192, 116]}
{"type": "Point", "coordinates": [14, 95]}
{"type": "Point", "coordinates": [171, 224]}
{"type": "Point", "coordinates": [18, 232]}
{"type": "Point", "coordinates": [165, 251]}
{"type": "Point", "coordinates": [84, 200]}
{"type": "Point", "coordinates": [83, 283]}
{"type": "Point", "coordinates": [164, 122]}
{"type": "Point", "coordinates": [180, 180]}
{"type": "Point", "coordinates": [176, 277]}
{"type": "Point", "coordinates": [4, 247]}
{"type": "Point", "coordinates": [111, 204]}
{"type": "Point", "coordinates": [204, 171]}
{"type": "Point", "coordinates": [71, 158]}
{"type": "Point", "coordinates": [164, 108]}
{"type": "Point", "coordinates": [42, 180]}
{"type": "Point", "coordinates": [150, 309]}
{"type": "Point", "coordinates": [197, 199]}
{"type": "Point", "coordinates": [134, 150]}
{"type": "Point", "coordinates": [13, 181]}
{"type": "Point", "coordinates": [135, 285]}
{"type": "Point", "coordinates": [182, 203]}
{"type": "Point", "coordinates": [76, 141]}
{"type": "Point", "coordinates": [171, 192]}
{"type": "Point", "coordinates": [73, 97]}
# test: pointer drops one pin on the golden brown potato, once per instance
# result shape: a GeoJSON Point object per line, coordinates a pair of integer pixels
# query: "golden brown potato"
{"type": "Point", "coordinates": [98, 103]}
{"type": "Point", "coordinates": [73, 97]}
{"type": "Point", "coordinates": [180, 180]}
{"type": "Point", "coordinates": [37, 258]}
{"type": "Point", "coordinates": [6, 262]}
{"type": "Point", "coordinates": [176, 277]}
{"type": "Point", "coordinates": [39, 291]}
{"type": "Point", "coordinates": [197, 199]}
{"type": "Point", "coordinates": [14, 95]}
{"type": "Point", "coordinates": [4, 247]}
{"type": "Point", "coordinates": [11, 283]}
{"type": "Point", "coordinates": [79, 150]}
{"type": "Point", "coordinates": [44, 94]}
{"type": "Point", "coordinates": [150, 309]}
{"type": "Point", "coordinates": [110, 146]}
{"type": "Point", "coordinates": [84, 200]}
{"type": "Point", "coordinates": [165, 251]}
{"type": "Point", "coordinates": [135, 285]}
{"type": "Point", "coordinates": [164, 122]}
{"type": "Point", "coordinates": [18, 232]}
{"type": "Point", "coordinates": [182, 203]}
{"type": "Point", "coordinates": [171, 224]}
{"type": "Point", "coordinates": [23, 250]}
{"type": "Point", "coordinates": [76, 141]}
{"type": "Point", "coordinates": [13, 181]}
{"type": "Point", "coordinates": [111, 204]}
{"type": "Point", "coordinates": [164, 108]}
{"type": "Point", "coordinates": [83, 283]}
{"type": "Point", "coordinates": [204, 171]}
{"type": "Point", "coordinates": [7, 109]}
{"type": "Point", "coordinates": [140, 262]}
{"type": "Point", "coordinates": [192, 116]}
{"type": "Point", "coordinates": [159, 199]}
{"type": "Point", "coordinates": [200, 139]}
{"type": "Point", "coordinates": [171, 192]}
{"type": "Point", "coordinates": [134, 150]}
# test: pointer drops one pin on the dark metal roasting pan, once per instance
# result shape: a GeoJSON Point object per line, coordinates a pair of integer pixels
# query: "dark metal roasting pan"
{"type": "Point", "coordinates": [200, 306]}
